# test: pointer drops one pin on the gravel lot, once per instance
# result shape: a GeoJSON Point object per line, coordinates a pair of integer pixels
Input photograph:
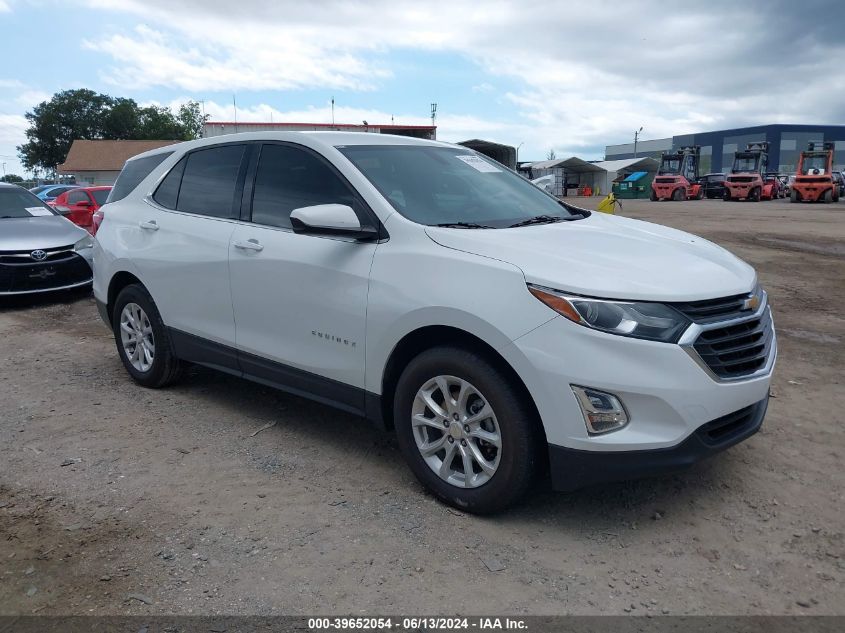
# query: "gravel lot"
{"type": "Point", "coordinates": [119, 500]}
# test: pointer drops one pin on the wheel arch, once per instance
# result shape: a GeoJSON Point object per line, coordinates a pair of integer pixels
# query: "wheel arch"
{"type": "Point", "coordinates": [118, 282]}
{"type": "Point", "coordinates": [431, 336]}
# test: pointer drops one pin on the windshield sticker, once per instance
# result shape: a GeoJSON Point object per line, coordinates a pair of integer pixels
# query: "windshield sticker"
{"type": "Point", "coordinates": [38, 211]}
{"type": "Point", "coordinates": [476, 163]}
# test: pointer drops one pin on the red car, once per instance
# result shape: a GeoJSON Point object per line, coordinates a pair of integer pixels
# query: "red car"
{"type": "Point", "coordinates": [79, 205]}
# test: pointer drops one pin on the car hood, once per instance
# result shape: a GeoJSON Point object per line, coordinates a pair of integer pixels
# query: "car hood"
{"type": "Point", "coordinates": [610, 257]}
{"type": "Point", "coordinates": [26, 234]}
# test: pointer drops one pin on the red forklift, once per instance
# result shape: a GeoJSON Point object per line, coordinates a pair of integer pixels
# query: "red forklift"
{"type": "Point", "coordinates": [677, 176]}
{"type": "Point", "coordinates": [746, 178]}
{"type": "Point", "coordinates": [814, 178]}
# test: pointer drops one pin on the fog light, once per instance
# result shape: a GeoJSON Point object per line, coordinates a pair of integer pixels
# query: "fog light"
{"type": "Point", "coordinates": [603, 412]}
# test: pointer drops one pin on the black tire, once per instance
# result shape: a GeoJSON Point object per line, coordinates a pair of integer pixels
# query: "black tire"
{"type": "Point", "coordinates": [653, 196]}
{"type": "Point", "coordinates": [165, 369]}
{"type": "Point", "coordinates": [679, 194]}
{"type": "Point", "coordinates": [793, 196]}
{"type": "Point", "coordinates": [519, 429]}
{"type": "Point", "coordinates": [700, 195]}
{"type": "Point", "coordinates": [754, 196]}
{"type": "Point", "coordinates": [727, 195]}
{"type": "Point", "coordinates": [828, 196]}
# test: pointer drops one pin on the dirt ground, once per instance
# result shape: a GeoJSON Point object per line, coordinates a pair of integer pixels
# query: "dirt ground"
{"type": "Point", "coordinates": [119, 500]}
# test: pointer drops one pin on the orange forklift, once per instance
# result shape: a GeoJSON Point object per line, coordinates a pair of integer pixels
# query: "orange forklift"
{"type": "Point", "coordinates": [677, 176]}
{"type": "Point", "coordinates": [814, 178]}
{"type": "Point", "coordinates": [746, 178]}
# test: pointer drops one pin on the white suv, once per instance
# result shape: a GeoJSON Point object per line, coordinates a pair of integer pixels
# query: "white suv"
{"type": "Point", "coordinates": [499, 331]}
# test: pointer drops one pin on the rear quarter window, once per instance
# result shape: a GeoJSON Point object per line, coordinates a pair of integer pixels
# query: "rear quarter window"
{"type": "Point", "coordinates": [134, 171]}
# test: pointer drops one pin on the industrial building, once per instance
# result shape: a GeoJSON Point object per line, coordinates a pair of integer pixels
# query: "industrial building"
{"type": "Point", "coordinates": [718, 148]}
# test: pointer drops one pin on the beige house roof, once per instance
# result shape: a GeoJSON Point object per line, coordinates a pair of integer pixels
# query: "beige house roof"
{"type": "Point", "coordinates": [105, 155]}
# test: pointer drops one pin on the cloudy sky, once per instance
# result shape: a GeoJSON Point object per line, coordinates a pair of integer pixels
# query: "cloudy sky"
{"type": "Point", "coordinates": [573, 76]}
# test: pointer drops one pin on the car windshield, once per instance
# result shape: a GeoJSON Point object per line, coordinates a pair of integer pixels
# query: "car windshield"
{"type": "Point", "coordinates": [19, 203]}
{"type": "Point", "coordinates": [100, 195]}
{"type": "Point", "coordinates": [449, 186]}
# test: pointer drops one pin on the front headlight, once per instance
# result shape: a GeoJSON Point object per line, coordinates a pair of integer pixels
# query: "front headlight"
{"type": "Point", "coordinates": [651, 321]}
{"type": "Point", "coordinates": [85, 242]}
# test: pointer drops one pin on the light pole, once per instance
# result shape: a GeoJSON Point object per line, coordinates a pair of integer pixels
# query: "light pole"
{"type": "Point", "coordinates": [517, 153]}
{"type": "Point", "coordinates": [636, 138]}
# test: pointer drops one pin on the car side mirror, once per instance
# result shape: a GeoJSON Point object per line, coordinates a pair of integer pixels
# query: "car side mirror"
{"type": "Point", "coordinates": [330, 219]}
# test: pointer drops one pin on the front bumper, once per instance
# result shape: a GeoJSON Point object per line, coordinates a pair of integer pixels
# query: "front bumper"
{"type": "Point", "coordinates": [62, 269]}
{"type": "Point", "coordinates": [572, 469]}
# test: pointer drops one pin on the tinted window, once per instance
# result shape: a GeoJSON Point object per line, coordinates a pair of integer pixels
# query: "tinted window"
{"type": "Point", "coordinates": [134, 171]}
{"type": "Point", "coordinates": [100, 195]}
{"type": "Point", "coordinates": [77, 196]}
{"type": "Point", "coordinates": [167, 193]}
{"type": "Point", "coordinates": [14, 202]}
{"type": "Point", "coordinates": [289, 178]}
{"type": "Point", "coordinates": [209, 181]}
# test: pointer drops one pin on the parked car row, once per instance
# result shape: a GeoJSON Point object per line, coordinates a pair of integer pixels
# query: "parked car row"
{"type": "Point", "coordinates": [78, 204]}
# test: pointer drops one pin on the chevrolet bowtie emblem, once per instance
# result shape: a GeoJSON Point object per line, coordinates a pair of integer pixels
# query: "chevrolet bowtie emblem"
{"type": "Point", "coordinates": [752, 303]}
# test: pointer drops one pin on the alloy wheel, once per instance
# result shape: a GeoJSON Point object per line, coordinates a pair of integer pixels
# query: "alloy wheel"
{"type": "Point", "coordinates": [136, 336]}
{"type": "Point", "coordinates": [456, 431]}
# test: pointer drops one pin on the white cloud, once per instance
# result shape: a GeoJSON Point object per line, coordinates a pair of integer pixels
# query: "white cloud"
{"type": "Point", "coordinates": [585, 77]}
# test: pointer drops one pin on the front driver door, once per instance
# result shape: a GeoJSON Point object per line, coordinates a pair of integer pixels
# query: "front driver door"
{"type": "Point", "coordinates": [300, 301]}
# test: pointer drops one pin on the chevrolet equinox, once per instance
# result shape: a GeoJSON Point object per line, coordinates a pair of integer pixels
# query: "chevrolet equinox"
{"type": "Point", "coordinates": [500, 332]}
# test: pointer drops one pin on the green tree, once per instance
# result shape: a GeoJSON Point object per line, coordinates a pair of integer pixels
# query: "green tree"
{"type": "Point", "coordinates": [192, 119]}
{"type": "Point", "coordinates": [54, 124]}
{"type": "Point", "coordinates": [13, 178]}
{"type": "Point", "coordinates": [85, 114]}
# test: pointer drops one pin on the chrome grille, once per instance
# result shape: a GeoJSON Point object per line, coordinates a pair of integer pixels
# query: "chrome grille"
{"type": "Point", "coordinates": [728, 338]}
{"type": "Point", "coordinates": [711, 310]}
{"type": "Point", "coordinates": [737, 350]}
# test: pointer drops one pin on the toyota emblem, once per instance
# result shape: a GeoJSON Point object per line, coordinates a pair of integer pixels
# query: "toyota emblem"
{"type": "Point", "coordinates": [38, 255]}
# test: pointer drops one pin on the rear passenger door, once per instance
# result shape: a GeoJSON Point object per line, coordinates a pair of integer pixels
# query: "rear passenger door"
{"type": "Point", "coordinates": [300, 301]}
{"type": "Point", "coordinates": [182, 250]}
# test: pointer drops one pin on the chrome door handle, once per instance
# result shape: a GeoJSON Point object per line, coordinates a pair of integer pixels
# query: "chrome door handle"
{"type": "Point", "coordinates": [249, 245]}
{"type": "Point", "coordinates": [150, 225]}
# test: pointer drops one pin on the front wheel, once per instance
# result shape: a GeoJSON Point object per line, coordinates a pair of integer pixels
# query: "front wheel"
{"type": "Point", "coordinates": [793, 196]}
{"type": "Point", "coordinates": [142, 340]}
{"type": "Point", "coordinates": [466, 431]}
{"type": "Point", "coordinates": [754, 196]}
{"type": "Point", "coordinates": [653, 196]}
{"type": "Point", "coordinates": [727, 195]}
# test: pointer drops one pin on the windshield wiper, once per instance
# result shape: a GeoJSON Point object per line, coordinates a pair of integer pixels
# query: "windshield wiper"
{"type": "Point", "coordinates": [464, 225]}
{"type": "Point", "coordinates": [538, 219]}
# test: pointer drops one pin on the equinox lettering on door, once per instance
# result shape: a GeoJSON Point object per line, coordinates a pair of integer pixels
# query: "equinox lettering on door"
{"type": "Point", "coordinates": [333, 339]}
